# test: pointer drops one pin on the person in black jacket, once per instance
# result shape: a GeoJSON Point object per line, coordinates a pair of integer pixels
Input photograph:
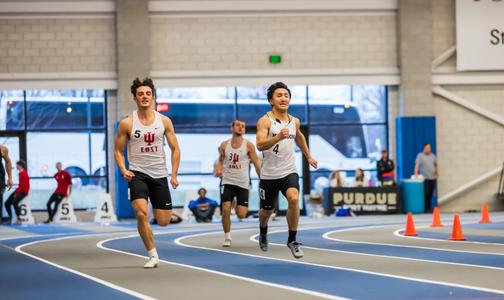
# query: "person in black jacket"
{"type": "Point", "coordinates": [385, 168]}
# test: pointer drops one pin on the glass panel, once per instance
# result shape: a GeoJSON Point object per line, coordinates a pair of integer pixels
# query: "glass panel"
{"type": "Point", "coordinates": [11, 110]}
{"type": "Point", "coordinates": [371, 102]}
{"type": "Point", "coordinates": [253, 103]}
{"type": "Point", "coordinates": [97, 111]}
{"type": "Point", "coordinates": [200, 151]}
{"type": "Point", "coordinates": [346, 148]}
{"type": "Point", "coordinates": [331, 104]}
{"type": "Point", "coordinates": [188, 189]}
{"type": "Point", "coordinates": [82, 197]}
{"type": "Point", "coordinates": [98, 160]}
{"type": "Point", "coordinates": [344, 104]}
{"type": "Point", "coordinates": [98, 154]}
{"type": "Point", "coordinates": [328, 94]}
{"type": "Point", "coordinates": [64, 109]}
{"type": "Point", "coordinates": [45, 149]}
{"type": "Point", "coordinates": [199, 106]}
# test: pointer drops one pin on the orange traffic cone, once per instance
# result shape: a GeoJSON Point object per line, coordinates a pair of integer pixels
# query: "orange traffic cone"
{"type": "Point", "coordinates": [457, 230]}
{"type": "Point", "coordinates": [410, 226]}
{"type": "Point", "coordinates": [436, 219]}
{"type": "Point", "coordinates": [485, 218]}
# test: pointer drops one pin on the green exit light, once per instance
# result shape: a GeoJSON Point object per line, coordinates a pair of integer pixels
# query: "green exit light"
{"type": "Point", "coordinates": [275, 59]}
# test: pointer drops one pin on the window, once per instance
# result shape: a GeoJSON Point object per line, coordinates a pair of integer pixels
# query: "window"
{"type": "Point", "coordinates": [12, 110]}
{"type": "Point", "coordinates": [348, 130]}
{"type": "Point", "coordinates": [347, 127]}
{"type": "Point", "coordinates": [64, 109]}
{"type": "Point", "coordinates": [66, 126]}
{"type": "Point", "coordinates": [199, 106]}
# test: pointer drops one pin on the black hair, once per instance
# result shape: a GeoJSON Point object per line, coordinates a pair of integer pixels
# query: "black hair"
{"type": "Point", "coordinates": [145, 82]}
{"type": "Point", "coordinates": [424, 145]}
{"type": "Point", "coordinates": [22, 163]}
{"type": "Point", "coordinates": [277, 85]}
{"type": "Point", "coordinates": [202, 188]}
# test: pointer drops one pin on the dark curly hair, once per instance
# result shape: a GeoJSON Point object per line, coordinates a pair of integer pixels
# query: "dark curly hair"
{"type": "Point", "coordinates": [275, 86]}
{"type": "Point", "coordinates": [138, 83]}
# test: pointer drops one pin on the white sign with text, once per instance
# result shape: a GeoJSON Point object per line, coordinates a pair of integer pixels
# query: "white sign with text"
{"type": "Point", "coordinates": [480, 35]}
{"type": "Point", "coordinates": [65, 212]}
{"type": "Point", "coordinates": [105, 212]}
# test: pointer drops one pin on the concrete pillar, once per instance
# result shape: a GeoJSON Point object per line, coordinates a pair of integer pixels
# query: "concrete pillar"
{"type": "Point", "coordinates": [415, 57]}
{"type": "Point", "coordinates": [133, 60]}
{"type": "Point", "coordinates": [133, 52]}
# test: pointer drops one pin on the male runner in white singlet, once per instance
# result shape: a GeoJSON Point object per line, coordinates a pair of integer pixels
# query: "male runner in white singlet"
{"type": "Point", "coordinates": [144, 131]}
{"type": "Point", "coordinates": [277, 135]}
{"type": "Point", "coordinates": [233, 165]}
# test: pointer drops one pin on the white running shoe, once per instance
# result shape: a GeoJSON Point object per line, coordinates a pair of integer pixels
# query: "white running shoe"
{"type": "Point", "coordinates": [152, 263]}
{"type": "Point", "coordinates": [227, 243]}
{"type": "Point", "coordinates": [295, 249]}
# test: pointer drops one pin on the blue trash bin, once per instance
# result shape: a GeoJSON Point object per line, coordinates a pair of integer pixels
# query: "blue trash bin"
{"type": "Point", "coordinates": [413, 196]}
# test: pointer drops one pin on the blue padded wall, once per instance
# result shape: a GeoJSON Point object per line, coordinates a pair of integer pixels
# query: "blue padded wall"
{"type": "Point", "coordinates": [411, 135]}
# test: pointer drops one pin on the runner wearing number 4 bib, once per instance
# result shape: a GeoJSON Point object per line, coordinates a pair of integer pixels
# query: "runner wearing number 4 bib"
{"type": "Point", "coordinates": [145, 131]}
{"type": "Point", "coordinates": [277, 135]}
{"type": "Point", "coordinates": [64, 180]}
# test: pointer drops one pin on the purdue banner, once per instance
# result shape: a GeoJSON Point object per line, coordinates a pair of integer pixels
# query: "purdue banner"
{"type": "Point", "coordinates": [364, 200]}
{"type": "Point", "coordinates": [480, 35]}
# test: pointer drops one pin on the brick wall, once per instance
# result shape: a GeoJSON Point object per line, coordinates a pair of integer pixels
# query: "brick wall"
{"type": "Point", "coordinates": [469, 145]}
{"type": "Point", "coordinates": [57, 45]}
{"type": "Point", "coordinates": [230, 43]}
{"type": "Point", "coordinates": [443, 26]}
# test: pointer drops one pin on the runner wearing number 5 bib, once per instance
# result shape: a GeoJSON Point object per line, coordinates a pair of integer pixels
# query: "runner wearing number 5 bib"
{"type": "Point", "coordinates": [278, 133]}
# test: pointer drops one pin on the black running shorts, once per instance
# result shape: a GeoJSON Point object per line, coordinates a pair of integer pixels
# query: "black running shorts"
{"type": "Point", "coordinates": [229, 191]}
{"type": "Point", "coordinates": [142, 186]}
{"type": "Point", "coordinates": [269, 188]}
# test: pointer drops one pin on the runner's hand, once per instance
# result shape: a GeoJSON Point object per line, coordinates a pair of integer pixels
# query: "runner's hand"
{"type": "Point", "coordinates": [128, 175]}
{"type": "Point", "coordinates": [174, 182]}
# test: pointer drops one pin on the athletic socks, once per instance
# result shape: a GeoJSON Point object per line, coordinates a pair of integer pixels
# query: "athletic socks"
{"type": "Point", "coordinates": [292, 236]}
{"type": "Point", "coordinates": [227, 235]}
{"type": "Point", "coordinates": [263, 230]}
{"type": "Point", "coordinates": [153, 253]}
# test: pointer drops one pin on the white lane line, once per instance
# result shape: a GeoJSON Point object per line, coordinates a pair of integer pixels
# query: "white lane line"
{"type": "Point", "coordinates": [95, 279]}
{"type": "Point", "coordinates": [30, 236]}
{"type": "Point", "coordinates": [328, 237]}
{"type": "Point", "coordinates": [285, 287]}
{"type": "Point", "coordinates": [179, 242]}
{"type": "Point", "coordinates": [396, 233]}
{"type": "Point", "coordinates": [253, 239]}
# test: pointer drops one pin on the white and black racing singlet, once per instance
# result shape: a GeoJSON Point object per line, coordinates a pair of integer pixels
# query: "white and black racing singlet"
{"type": "Point", "coordinates": [279, 160]}
{"type": "Point", "coordinates": [145, 147]}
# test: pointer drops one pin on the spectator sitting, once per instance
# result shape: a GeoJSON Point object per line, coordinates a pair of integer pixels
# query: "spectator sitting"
{"type": "Point", "coordinates": [19, 194]}
{"type": "Point", "coordinates": [360, 180]}
{"type": "Point", "coordinates": [335, 180]}
{"type": "Point", "coordinates": [203, 208]}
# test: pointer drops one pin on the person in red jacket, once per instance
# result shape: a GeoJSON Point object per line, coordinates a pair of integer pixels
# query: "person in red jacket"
{"type": "Point", "coordinates": [63, 190]}
{"type": "Point", "coordinates": [20, 193]}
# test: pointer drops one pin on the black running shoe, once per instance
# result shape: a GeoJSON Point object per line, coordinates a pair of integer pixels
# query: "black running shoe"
{"type": "Point", "coordinates": [295, 249]}
{"type": "Point", "coordinates": [263, 242]}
